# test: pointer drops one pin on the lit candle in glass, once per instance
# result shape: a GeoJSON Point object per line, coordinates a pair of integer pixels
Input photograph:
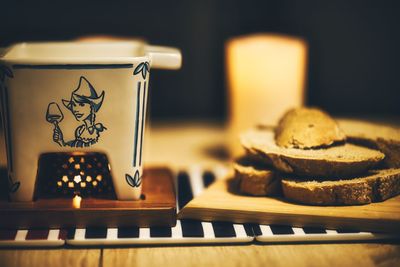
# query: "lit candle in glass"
{"type": "Point", "coordinates": [266, 77]}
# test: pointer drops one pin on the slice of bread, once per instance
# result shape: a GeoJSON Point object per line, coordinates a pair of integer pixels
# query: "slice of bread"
{"type": "Point", "coordinates": [307, 128]}
{"type": "Point", "coordinates": [254, 179]}
{"type": "Point", "coordinates": [381, 137]}
{"type": "Point", "coordinates": [336, 161]}
{"type": "Point", "coordinates": [374, 186]}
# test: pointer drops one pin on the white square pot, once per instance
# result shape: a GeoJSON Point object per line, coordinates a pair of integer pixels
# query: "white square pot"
{"type": "Point", "coordinates": [85, 97]}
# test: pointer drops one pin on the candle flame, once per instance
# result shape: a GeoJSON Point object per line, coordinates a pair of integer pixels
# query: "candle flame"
{"type": "Point", "coordinates": [76, 201]}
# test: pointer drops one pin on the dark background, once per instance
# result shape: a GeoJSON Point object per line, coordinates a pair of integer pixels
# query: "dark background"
{"type": "Point", "coordinates": [354, 45]}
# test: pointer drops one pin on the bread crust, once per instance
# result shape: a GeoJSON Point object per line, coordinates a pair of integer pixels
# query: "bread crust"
{"type": "Point", "coordinates": [336, 161]}
{"type": "Point", "coordinates": [374, 186]}
{"type": "Point", "coordinates": [381, 137]}
{"type": "Point", "coordinates": [256, 180]}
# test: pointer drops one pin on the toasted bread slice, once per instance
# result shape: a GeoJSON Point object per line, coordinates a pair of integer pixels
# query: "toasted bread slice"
{"type": "Point", "coordinates": [307, 128]}
{"type": "Point", "coordinates": [381, 137]}
{"type": "Point", "coordinates": [255, 179]}
{"type": "Point", "coordinates": [374, 186]}
{"type": "Point", "coordinates": [336, 161]}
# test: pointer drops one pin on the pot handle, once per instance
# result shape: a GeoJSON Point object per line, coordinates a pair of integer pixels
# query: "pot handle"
{"type": "Point", "coordinates": [163, 57]}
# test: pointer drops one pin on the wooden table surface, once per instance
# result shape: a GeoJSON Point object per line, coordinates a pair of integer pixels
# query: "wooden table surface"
{"type": "Point", "coordinates": [180, 145]}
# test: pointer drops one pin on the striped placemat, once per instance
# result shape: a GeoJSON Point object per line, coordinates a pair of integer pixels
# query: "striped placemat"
{"type": "Point", "coordinates": [32, 238]}
{"type": "Point", "coordinates": [282, 233]}
{"type": "Point", "coordinates": [189, 183]}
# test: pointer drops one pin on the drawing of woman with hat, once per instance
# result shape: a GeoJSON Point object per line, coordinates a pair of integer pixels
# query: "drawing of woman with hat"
{"type": "Point", "coordinates": [84, 104]}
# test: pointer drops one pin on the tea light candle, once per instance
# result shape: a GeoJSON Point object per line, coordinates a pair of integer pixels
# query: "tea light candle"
{"type": "Point", "coordinates": [266, 76]}
{"type": "Point", "coordinates": [76, 202]}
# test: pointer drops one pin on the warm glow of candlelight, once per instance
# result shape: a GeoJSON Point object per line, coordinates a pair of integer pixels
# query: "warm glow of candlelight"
{"type": "Point", "coordinates": [76, 201]}
{"type": "Point", "coordinates": [266, 76]}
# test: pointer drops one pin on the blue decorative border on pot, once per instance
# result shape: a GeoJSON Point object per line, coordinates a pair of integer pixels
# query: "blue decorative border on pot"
{"type": "Point", "coordinates": [73, 66]}
{"type": "Point", "coordinates": [142, 69]}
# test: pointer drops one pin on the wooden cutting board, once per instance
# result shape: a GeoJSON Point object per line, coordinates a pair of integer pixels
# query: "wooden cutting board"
{"type": "Point", "coordinates": [220, 202]}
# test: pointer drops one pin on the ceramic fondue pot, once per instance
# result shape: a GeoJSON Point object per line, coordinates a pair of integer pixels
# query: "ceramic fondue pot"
{"type": "Point", "coordinates": [78, 97]}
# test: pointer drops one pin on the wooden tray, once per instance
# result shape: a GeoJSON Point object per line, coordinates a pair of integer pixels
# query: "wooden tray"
{"type": "Point", "coordinates": [220, 202]}
{"type": "Point", "coordinates": [157, 208]}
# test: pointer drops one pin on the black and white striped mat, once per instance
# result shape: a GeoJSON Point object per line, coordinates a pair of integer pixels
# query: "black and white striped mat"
{"type": "Point", "coordinates": [189, 184]}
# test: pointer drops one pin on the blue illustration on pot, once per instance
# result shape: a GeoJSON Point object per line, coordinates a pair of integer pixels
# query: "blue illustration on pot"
{"type": "Point", "coordinates": [142, 68]}
{"type": "Point", "coordinates": [84, 104]}
{"type": "Point", "coordinates": [134, 181]}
